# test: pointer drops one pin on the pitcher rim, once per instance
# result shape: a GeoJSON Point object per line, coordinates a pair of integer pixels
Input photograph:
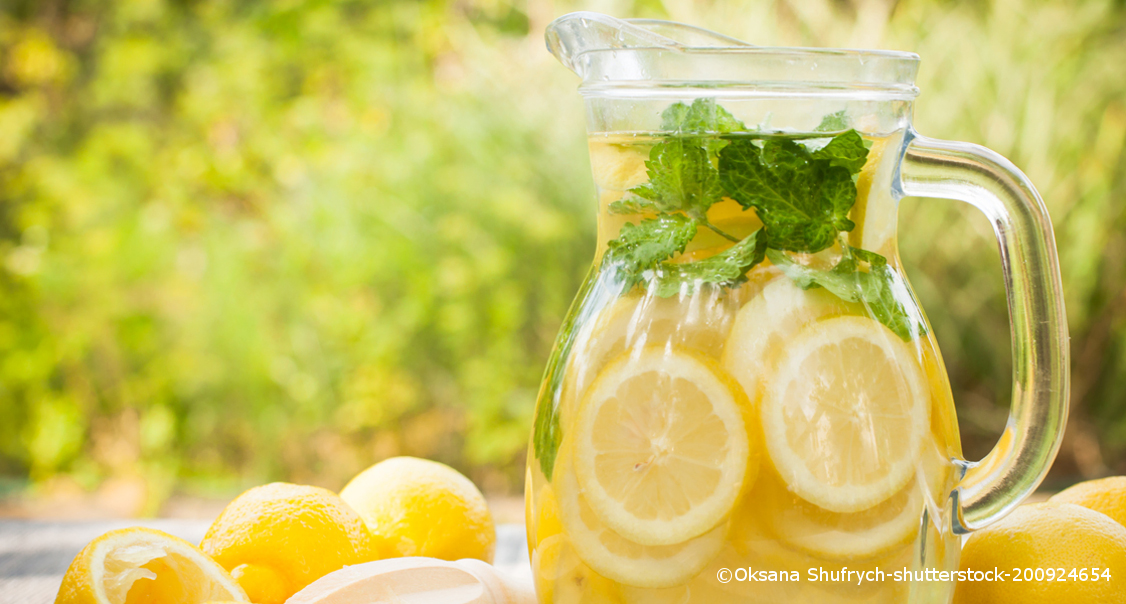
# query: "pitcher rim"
{"type": "Point", "coordinates": [753, 71]}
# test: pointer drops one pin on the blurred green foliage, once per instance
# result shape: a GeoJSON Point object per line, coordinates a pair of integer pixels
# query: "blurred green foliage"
{"type": "Point", "coordinates": [243, 241]}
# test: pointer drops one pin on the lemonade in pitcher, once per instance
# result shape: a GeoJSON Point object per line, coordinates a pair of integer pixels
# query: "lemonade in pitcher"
{"type": "Point", "coordinates": [746, 403]}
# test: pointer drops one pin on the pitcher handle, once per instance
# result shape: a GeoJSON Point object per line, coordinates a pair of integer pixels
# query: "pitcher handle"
{"type": "Point", "coordinates": [992, 487]}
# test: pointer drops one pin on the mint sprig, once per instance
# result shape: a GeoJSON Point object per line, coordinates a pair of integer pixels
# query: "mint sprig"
{"type": "Point", "coordinates": [681, 179]}
{"type": "Point", "coordinates": [643, 245]}
{"type": "Point", "coordinates": [802, 198]}
{"type": "Point", "coordinates": [846, 150]}
{"type": "Point", "coordinates": [727, 268]}
{"type": "Point", "coordinates": [875, 288]}
{"type": "Point", "coordinates": [703, 116]}
{"type": "Point", "coordinates": [834, 122]}
{"type": "Point", "coordinates": [802, 193]}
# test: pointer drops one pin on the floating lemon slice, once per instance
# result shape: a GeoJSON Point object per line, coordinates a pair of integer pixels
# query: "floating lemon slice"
{"type": "Point", "coordinates": [617, 167]}
{"type": "Point", "coordinates": [846, 537]}
{"type": "Point", "coordinates": [618, 558]}
{"type": "Point", "coordinates": [846, 413]}
{"type": "Point", "coordinates": [768, 321]}
{"type": "Point", "coordinates": [699, 322]}
{"type": "Point", "coordinates": [661, 447]}
{"type": "Point", "coordinates": [875, 211]}
{"type": "Point", "coordinates": [562, 578]}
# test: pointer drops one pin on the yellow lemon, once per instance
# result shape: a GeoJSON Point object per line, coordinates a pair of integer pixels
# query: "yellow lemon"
{"type": "Point", "coordinates": [616, 557]}
{"type": "Point", "coordinates": [944, 420]}
{"type": "Point", "coordinates": [852, 536]}
{"type": "Point", "coordinates": [423, 508]}
{"type": "Point", "coordinates": [764, 325]}
{"type": "Point", "coordinates": [846, 413]}
{"type": "Point", "coordinates": [617, 167]}
{"type": "Point", "coordinates": [1047, 536]}
{"type": "Point", "coordinates": [661, 446]}
{"type": "Point", "coordinates": [280, 537]}
{"type": "Point", "coordinates": [699, 323]}
{"type": "Point", "coordinates": [137, 565]}
{"type": "Point", "coordinates": [837, 536]}
{"type": "Point", "coordinates": [1107, 495]}
{"type": "Point", "coordinates": [547, 518]}
{"type": "Point", "coordinates": [875, 211]}
{"type": "Point", "coordinates": [562, 578]}
{"type": "Point", "coordinates": [753, 547]}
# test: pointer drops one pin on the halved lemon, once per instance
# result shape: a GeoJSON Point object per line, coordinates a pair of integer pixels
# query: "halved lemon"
{"type": "Point", "coordinates": [764, 325]}
{"type": "Point", "coordinates": [616, 557]}
{"type": "Point", "coordinates": [145, 565]}
{"type": "Point", "coordinates": [845, 413]}
{"type": "Point", "coordinates": [661, 445]}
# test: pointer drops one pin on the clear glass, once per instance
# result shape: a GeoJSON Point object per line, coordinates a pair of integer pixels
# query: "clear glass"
{"type": "Point", "coordinates": [745, 402]}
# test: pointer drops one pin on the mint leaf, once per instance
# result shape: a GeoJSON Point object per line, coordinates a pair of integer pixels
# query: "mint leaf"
{"type": "Point", "coordinates": [702, 116]}
{"type": "Point", "coordinates": [803, 201]}
{"type": "Point", "coordinates": [546, 435]}
{"type": "Point", "coordinates": [834, 122]}
{"type": "Point", "coordinates": [681, 178]}
{"type": "Point", "coordinates": [875, 288]}
{"type": "Point", "coordinates": [642, 246]}
{"type": "Point", "coordinates": [726, 268]}
{"type": "Point", "coordinates": [845, 150]}
{"type": "Point", "coordinates": [633, 205]}
{"type": "Point", "coordinates": [879, 297]}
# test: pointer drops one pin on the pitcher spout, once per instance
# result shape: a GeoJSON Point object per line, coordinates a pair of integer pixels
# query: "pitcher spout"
{"type": "Point", "coordinates": [573, 35]}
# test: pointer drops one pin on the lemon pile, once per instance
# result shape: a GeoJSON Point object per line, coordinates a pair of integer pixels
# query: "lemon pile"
{"type": "Point", "coordinates": [683, 420]}
{"type": "Point", "coordinates": [273, 540]}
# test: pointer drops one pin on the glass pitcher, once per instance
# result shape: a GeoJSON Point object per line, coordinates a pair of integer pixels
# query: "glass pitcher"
{"type": "Point", "coordinates": [745, 402]}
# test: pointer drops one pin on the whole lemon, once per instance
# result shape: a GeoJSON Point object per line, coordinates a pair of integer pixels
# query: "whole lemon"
{"type": "Point", "coordinates": [1047, 536]}
{"type": "Point", "coordinates": [423, 508]}
{"type": "Point", "coordinates": [1107, 495]}
{"type": "Point", "coordinates": [277, 538]}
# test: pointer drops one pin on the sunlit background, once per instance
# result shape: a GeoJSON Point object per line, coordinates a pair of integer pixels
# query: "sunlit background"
{"type": "Point", "coordinates": [251, 241]}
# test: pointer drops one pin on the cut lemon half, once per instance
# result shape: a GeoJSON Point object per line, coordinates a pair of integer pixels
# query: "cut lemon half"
{"type": "Point", "coordinates": [768, 321]}
{"type": "Point", "coordinates": [845, 414]}
{"type": "Point", "coordinates": [618, 558]}
{"type": "Point", "coordinates": [145, 565]}
{"type": "Point", "coordinates": [661, 447]}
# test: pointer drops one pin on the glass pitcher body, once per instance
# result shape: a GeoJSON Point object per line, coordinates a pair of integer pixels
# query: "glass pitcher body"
{"type": "Point", "coordinates": [745, 402]}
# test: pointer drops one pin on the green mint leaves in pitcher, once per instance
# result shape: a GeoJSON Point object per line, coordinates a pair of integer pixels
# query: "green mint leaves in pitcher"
{"type": "Point", "coordinates": [746, 380]}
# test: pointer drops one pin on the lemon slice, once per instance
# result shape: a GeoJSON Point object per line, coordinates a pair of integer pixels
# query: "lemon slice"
{"type": "Point", "coordinates": [617, 167]}
{"type": "Point", "coordinates": [876, 210]}
{"type": "Point", "coordinates": [661, 445]}
{"type": "Point", "coordinates": [768, 321]}
{"type": "Point", "coordinates": [618, 558]}
{"type": "Point", "coordinates": [699, 322]}
{"type": "Point", "coordinates": [145, 565]}
{"type": "Point", "coordinates": [846, 537]}
{"type": "Point", "coordinates": [751, 545]}
{"type": "Point", "coordinates": [846, 413]}
{"type": "Point", "coordinates": [562, 578]}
